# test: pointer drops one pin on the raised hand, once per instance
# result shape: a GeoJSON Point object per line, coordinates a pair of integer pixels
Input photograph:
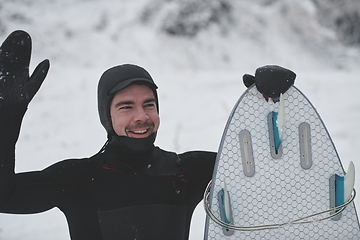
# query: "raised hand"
{"type": "Point", "coordinates": [17, 88]}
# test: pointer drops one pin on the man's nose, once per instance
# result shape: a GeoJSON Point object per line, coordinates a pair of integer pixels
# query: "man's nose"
{"type": "Point", "coordinates": [140, 115]}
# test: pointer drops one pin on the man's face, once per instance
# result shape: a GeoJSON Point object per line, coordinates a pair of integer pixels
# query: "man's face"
{"type": "Point", "coordinates": [133, 112]}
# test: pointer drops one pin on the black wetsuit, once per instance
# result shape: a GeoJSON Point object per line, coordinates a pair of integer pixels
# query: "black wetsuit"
{"type": "Point", "coordinates": [129, 190]}
{"type": "Point", "coordinates": [111, 195]}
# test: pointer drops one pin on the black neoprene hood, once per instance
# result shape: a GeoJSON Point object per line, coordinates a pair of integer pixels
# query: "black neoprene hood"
{"type": "Point", "coordinates": [116, 79]}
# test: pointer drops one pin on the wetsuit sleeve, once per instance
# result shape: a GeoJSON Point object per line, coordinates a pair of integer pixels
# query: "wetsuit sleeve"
{"type": "Point", "coordinates": [10, 122]}
{"type": "Point", "coordinates": [199, 167]}
{"type": "Point", "coordinates": [61, 185]}
{"type": "Point", "coordinates": [31, 192]}
{"type": "Point", "coordinates": [65, 185]}
{"type": "Point", "coordinates": [25, 192]}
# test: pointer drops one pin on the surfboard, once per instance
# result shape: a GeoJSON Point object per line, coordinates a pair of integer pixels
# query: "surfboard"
{"type": "Point", "coordinates": [278, 175]}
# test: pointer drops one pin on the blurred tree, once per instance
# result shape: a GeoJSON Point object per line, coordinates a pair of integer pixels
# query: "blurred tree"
{"type": "Point", "coordinates": [343, 16]}
{"type": "Point", "coordinates": [188, 17]}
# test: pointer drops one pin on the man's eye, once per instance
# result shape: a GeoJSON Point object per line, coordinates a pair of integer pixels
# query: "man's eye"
{"type": "Point", "coordinates": [124, 107]}
{"type": "Point", "coordinates": [150, 105]}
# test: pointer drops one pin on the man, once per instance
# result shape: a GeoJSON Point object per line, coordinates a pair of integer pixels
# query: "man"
{"type": "Point", "coordinates": [130, 189]}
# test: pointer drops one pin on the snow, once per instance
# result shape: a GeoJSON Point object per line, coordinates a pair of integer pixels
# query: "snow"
{"type": "Point", "coordinates": [199, 79]}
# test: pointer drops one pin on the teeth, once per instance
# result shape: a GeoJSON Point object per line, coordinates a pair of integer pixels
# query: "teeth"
{"type": "Point", "coordinates": [140, 131]}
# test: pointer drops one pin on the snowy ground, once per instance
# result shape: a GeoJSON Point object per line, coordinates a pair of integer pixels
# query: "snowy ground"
{"type": "Point", "coordinates": [199, 81]}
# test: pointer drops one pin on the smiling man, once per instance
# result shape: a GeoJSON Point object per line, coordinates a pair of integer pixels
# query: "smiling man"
{"type": "Point", "coordinates": [130, 189]}
{"type": "Point", "coordinates": [134, 113]}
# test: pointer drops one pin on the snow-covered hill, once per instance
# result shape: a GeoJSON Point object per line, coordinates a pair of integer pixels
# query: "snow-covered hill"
{"type": "Point", "coordinates": [197, 52]}
{"type": "Point", "coordinates": [192, 34]}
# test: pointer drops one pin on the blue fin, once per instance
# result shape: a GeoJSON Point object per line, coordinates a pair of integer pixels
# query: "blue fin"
{"type": "Point", "coordinates": [277, 139]}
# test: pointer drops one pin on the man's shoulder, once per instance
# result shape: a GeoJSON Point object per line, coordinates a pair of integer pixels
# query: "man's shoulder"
{"type": "Point", "coordinates": [198, 155]}
{"type": "Point", "coordinates": [198, 160]}
{"type": "Point", "coordinates": [70, 170]}
{"type": "Point", "coordinates": [71, 164]}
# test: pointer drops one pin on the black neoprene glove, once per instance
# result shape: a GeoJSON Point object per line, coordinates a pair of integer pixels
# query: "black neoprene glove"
{"type": "Point", "coordinates": [17, 88]}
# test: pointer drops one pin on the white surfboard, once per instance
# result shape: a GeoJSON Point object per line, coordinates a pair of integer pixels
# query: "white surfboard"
{"type": "Point", "coordinates": [260, 191]}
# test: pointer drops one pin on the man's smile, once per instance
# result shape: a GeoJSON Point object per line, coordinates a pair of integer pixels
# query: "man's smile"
{"type": "Point", "coordinates": [140, 131]}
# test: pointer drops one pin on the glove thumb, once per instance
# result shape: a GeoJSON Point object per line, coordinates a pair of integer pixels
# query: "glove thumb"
{"type": "Point", "coordinates": [36, 79]}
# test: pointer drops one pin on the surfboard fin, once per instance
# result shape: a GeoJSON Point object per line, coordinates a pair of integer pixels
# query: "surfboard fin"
{"type": "Point", "coordinates": [349, 181]}
{"type": "Point", "coordinates": [341, 189]}
{"type": "Point", "coordinates": [344, 185]}
{"type": "Point", "coordinates": [225, 208]}
{"type": "Point", "coordinates": [277, 128]}
{"type": "Point", "coordinates": [277, 139]}
{"type": "Point", "coordinates": [281, 117]}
